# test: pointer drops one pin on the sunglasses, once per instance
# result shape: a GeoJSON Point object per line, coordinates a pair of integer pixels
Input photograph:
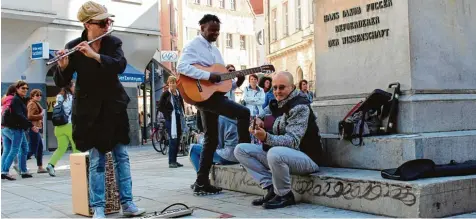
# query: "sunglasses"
{"type": "Point", "coordinates": [280, 87]}
{"type": "Point", "coordinates": [102, 23]}
{"type": "Point", "coordinates": [38, 95]}
{"type": "Point", "coordinates": [231, 69]}
{"type": "Point", "coordinates": [24, 88]}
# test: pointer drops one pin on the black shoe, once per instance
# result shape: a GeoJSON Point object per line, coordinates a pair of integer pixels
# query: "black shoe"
{"type": "Point", "coordinates": [26, 175]}
{"type": "Point", "coordinates": [266, 198]}
{"type": "Point", "coordinates": [179, 164]}
{"type": "Point", "coordinates": [5, 176]}
{"type": "Point", "coordinates": [173, 165]}
{"type": "Point", "coordinates": [205, 189]}
{"type": "Point", "coordinates": [280, 201]}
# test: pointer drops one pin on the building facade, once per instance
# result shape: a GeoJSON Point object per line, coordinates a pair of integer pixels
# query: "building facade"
{"type": "Point", "coordinates": [237, 40]}
{"type": "Point", "coordinates": [289, 37]}
{"type": "Point", "coordinates": [54, 23]}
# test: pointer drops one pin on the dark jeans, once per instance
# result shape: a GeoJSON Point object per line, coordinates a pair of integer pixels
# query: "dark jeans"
{"type": "Point", "coordinates": [173, 142]}
{"type": "Point", "coordinates": [210, 109]}
{"type": "Point", "coordinates": [36, 147]}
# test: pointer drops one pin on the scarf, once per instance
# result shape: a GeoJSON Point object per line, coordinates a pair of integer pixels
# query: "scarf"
{"type": "Point", "coordinates": [177, 109]}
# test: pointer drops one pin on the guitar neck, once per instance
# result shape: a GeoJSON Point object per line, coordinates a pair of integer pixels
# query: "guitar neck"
{"type": "Point", "coordinates": [231, 75]}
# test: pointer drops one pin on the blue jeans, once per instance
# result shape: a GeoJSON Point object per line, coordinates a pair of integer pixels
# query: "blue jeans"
{"type": "Point", "coordinates": [36, 147]}
{"type": "Point", "coordinates": [97, 179]}
{"type": "Point", "coordinates": [196, 150]}
{"type": "Point", "coordinates": [14, 143]}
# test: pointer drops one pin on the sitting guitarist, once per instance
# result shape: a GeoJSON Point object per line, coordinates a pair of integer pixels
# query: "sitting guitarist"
{"type": "Point", "coordinates": [201, 51]}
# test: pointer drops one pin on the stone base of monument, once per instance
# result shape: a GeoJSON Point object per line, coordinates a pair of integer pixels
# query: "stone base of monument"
{"type": "Point", "coordinates": [366, 191]}
{"type": "Point", "coordinates": [384, 152]}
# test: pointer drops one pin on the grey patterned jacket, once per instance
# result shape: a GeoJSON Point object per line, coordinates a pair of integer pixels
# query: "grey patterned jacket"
{"type": "Point", "coordinates": [288, 130]}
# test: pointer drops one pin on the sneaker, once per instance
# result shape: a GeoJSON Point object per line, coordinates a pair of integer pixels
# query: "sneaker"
{"type": "Point", "coordinates": [26, 175]}
{"type": "Point", "coordinates": [99, 212]}
{"type": "Point", "coordinates": [206, 189]}
{"type": "Point", "coordinates": [51, 170]}
{"type": "Point", "coordinates": [131, 210]}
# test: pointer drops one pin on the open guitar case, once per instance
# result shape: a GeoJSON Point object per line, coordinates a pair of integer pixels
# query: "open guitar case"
{"type": "Point", "coordinates": [426, 168]}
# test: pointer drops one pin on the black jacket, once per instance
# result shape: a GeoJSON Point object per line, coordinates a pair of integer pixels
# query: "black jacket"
{"type": "Point", "coordinates": [100, 102]}
{"type": "Point", "coordinates": [16, 116]}
{"type": "Point", "coordinates": [165, 106]}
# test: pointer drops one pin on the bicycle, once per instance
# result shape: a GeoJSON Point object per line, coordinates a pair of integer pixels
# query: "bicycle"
{"type": "Point", "coordinates": [159, 137]}
{"type": "Point", "coordinates": [189, 137]}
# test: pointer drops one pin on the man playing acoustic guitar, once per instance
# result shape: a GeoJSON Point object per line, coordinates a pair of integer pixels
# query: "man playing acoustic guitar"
{"type": "Point", "coordinates": [201, 51]}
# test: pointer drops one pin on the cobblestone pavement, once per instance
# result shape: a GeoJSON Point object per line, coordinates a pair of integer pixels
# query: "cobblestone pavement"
{"type": "Point", "coordinates": [155, 186]}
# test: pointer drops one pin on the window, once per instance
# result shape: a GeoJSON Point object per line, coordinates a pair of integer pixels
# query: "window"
{"type": "Point", "coordinates": [196, 1]}
{"type": "Point", "coordinates": [222, 3]}
{"type": "Point", "coordinates": [209, 2]}
{"type": "Point", "coordinates": [298, 15]}
{"type": "Point", "coordinates": [274, 25]}
{"type": "Point", "coordinates": [173, 20]}
{"type": "Point", "coordinates": [229, 41]}
{"type": "Point", "coordinates": [191, 33]}
{"type": "Point", "coordinates": [286, 19]}
{"type": "Point", "coordinates": [311, 11]}
{"type": "Point", "coordinates": [243, 67]}
{"type": "Point", "coordinates": [198, 32]}
{"type": "Point", "coordinates": [243, 42]}
{"type": "Point", "coordinates": [233, 5]}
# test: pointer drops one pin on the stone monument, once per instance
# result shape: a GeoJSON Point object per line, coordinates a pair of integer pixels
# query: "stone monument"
{"type": "Point", "coordinates": [429, 47]}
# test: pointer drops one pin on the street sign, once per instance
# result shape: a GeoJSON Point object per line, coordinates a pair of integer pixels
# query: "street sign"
{"type": "Point", "coordinates": [168, 56]}
{"type": "Point", "coordinates": [40, 50]}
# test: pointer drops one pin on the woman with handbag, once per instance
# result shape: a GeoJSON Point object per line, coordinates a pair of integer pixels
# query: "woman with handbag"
{"type": "Point", "coordinates": [63, 133]}
{"type": "Point", "coordinates": [35, 115]}
{"type": "Point", "coordinates": [172, 106]}
{"type": "Point", "coordinates": [14, 125]}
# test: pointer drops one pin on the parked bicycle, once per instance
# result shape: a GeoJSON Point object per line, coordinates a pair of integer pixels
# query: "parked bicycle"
{"type": "Point", "coordinates": [159, 137]}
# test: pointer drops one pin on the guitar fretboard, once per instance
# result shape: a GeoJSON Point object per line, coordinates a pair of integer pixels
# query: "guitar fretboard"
{"type": "Point", "coordinates": [232, 75]}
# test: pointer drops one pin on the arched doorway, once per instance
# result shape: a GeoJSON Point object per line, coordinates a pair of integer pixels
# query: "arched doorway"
{"type": "Point", "coordinates": [299, 74]}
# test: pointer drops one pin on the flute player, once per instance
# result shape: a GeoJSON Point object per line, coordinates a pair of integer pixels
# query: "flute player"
{"type": "Point", "coordinates": [99, 117]}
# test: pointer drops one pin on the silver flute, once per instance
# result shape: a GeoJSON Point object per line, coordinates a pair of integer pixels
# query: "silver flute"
{"type": "Point", "coordinates": [57, 58]}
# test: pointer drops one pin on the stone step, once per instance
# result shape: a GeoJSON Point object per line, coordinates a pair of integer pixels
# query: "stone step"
{"type": "Point", "coordinates": [384, 152]}
{"type": "Point", "coordinates": [366, 191]}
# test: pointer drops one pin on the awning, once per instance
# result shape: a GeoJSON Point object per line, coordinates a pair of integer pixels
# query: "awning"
{"type": "Point", "coordinates": [131, 75]}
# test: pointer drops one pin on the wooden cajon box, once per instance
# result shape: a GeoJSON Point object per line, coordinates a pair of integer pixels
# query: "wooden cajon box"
{"type": "Point", "coordinates": [79, 164]}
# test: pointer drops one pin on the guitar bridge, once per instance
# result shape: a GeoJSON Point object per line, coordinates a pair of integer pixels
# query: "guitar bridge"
{"type": "Point", "coordinates": [199, 86]}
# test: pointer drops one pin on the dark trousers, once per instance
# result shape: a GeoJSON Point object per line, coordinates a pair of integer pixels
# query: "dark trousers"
{"type": "Point", "coordinates": [36, 147]}
{"type": "Point", "coordinates": [210, 109]}
{"type": "Point", "coordinates": [174, 143]}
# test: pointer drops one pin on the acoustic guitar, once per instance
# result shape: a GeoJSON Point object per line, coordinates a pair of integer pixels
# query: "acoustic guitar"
{"type": "Point", "coordinates": [194, 91]}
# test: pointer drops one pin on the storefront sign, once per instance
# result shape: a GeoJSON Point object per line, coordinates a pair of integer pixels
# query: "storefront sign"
{"type": "Point", "coordinates": [168, 56]}
{"type": "Point", "coordinates": [40, 51]}
{"type": "Point", "coordinates": [125, 77]}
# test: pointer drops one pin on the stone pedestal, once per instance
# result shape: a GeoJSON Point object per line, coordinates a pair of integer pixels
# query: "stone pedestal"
{"type": "Point", "coordinates": [427, 46]}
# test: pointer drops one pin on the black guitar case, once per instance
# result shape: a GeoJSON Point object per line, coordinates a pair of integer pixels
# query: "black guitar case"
{"type": "Point", "coordinates": [425, 168]}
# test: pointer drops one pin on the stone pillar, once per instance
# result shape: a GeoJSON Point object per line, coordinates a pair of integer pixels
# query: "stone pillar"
{"type": "Point", "coordinates": [427, 46]}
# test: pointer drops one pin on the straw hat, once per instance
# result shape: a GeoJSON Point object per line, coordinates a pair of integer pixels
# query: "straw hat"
{"type": "Point", "coordinates": [92, 11]}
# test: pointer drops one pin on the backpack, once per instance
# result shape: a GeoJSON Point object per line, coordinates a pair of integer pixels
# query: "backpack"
{"type": "Point", "coordinates": [6, 109]}
{"type": "Point", "coordinates": [59, 116]}
{"type": "Point", "coordinates": [376, 115]}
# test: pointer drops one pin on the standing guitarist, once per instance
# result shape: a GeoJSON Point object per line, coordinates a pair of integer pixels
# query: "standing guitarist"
{"type": "Point", "coordinates": [201, 51]}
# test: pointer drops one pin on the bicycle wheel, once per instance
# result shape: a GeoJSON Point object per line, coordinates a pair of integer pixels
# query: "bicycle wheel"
{"type": "Point", "coordinates": [156, 144]}
{"type": "Point", "coordinates": [163, 144]}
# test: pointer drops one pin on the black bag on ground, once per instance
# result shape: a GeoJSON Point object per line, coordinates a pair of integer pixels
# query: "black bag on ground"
{"type": "Point", "coordinates": [425, 168]}
{"type": "Point", "coordinates": [376, 115]}
{"type": "Point", "coordinates": [59, 116]}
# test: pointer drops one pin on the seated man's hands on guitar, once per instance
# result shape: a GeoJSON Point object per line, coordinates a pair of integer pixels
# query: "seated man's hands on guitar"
{"type": "Point", "coordinates": [214, 77]}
